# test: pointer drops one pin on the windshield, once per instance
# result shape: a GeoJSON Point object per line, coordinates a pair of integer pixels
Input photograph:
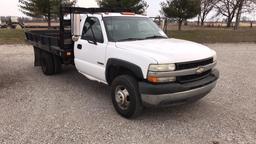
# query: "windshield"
{"type": "Point", "coordinates": [132, 28]}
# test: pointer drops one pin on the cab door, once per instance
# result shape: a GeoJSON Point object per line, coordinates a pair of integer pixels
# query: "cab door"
{"type": "Point", "coordinates": [90, 50]}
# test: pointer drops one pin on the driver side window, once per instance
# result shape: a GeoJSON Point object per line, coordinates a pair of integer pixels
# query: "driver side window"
{"type": "Point", "coordinates": [92, 30]}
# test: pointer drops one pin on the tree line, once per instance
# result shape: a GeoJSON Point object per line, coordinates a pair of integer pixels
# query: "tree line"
{"type": "Point", "coordinates": [179, 10]}
{"type": "Point", "coordinates": [47, 9]}
{"type": "Point", "coordinates": [231, 10]}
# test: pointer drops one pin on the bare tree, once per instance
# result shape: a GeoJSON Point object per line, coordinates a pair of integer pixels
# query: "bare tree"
{"type": "Point", "coordinates": [243, 7]}
{"type": "Point", "coordinates": [227, 8]}
{"type": "Point", "coordinates": [239, 13]}
{"type": "Point", "coordinates": [206, 7]}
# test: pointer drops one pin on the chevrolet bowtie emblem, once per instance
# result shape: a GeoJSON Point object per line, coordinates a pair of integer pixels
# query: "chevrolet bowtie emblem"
{"type": "Point", "coordinates": [200, 70]}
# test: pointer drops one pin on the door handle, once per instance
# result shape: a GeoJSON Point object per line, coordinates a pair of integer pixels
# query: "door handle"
{"type": "Point", "coordinates": [79, 46]}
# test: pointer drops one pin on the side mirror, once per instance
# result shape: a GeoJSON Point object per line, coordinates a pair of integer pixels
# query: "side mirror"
{"type": "Point", "coordinates": [75, 26]}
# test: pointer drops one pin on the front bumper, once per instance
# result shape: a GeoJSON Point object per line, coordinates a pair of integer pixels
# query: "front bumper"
{"type": "Point", "coordinates": [175, 93]}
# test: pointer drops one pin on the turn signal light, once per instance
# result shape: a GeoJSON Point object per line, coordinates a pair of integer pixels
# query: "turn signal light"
{"type": "Point", "coordinates": [128, 13]}
{"type": "Point", "coordinates": [153, 79]}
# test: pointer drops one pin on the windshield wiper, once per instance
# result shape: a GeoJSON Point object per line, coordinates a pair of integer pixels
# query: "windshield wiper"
{"type": "Point", "coordinates": [156, 37]}
{"type": "Point", "coordinates": [130, 39]}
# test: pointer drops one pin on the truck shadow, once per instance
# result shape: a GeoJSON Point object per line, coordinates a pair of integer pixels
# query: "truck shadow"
{"type": "Point", "coordinates": [190, 110]}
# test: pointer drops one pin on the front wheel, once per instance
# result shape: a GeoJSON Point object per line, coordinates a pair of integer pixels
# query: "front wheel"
{"type": "Point", "coordinates": [126, 97]}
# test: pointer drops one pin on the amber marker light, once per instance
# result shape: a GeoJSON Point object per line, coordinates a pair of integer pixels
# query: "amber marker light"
{"type": "Point", "coordinates": [128, 13]}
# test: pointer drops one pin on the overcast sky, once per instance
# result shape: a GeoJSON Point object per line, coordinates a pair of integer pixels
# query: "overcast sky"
{"type": "Point", "coordinates": [10, 7]}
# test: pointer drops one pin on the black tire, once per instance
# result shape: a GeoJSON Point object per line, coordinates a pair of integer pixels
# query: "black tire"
{"type": "Point", "coordinates": [47, 63]}
{"type": "Point", "coordinates": [57, 64]}
{"type": "Point", "coordinates": [130, 84]}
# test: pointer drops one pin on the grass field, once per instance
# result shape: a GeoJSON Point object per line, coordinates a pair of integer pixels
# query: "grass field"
{"type": "Point", "coordinates": [9, 36]}
{"type": "Point", "coordinates": [198, 35]}
{"type": "Point", "coordinates": [215, 35]}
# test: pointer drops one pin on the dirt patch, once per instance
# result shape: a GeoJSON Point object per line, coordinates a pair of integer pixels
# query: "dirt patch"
{"type": "Point", "coordinates": [7, 80]}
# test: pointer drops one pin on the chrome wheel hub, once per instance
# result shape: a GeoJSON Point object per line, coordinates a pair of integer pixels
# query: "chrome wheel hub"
{"type": "Point", "coordinates": [122, 97]}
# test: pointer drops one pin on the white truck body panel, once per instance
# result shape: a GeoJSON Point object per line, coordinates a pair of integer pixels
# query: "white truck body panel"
{"type": "Point", "coordinates": [168, 50]}
{"type": "Point", "coordinates": [141, 52]}
{"type": "Point", "coordinates": [87, 59]}
{"type": "Point", "coordinates": [143, 61]}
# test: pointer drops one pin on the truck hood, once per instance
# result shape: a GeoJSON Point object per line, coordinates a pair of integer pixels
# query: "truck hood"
{"type": "Point", "coordinates": [168, 50]}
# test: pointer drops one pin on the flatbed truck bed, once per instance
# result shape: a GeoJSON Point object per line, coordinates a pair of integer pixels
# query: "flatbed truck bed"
{"type": "Point", "coordinates": [50, 41]}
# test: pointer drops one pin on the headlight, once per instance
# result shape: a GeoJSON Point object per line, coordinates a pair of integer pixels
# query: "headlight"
{"type": "Point", "coordinates": [154, 69]}
{"type": "Point", "coordinates": [162, 67]}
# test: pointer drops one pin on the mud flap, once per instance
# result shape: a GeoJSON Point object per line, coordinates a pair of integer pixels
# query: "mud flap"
{"type": "Point", "coordinates": [57, 64]}
{"type": "Point", "coordinates": [37, 54]}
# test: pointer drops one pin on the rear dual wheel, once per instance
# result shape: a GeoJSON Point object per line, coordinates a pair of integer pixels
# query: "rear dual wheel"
{"type": "Point", "coordinates": [50, 64]}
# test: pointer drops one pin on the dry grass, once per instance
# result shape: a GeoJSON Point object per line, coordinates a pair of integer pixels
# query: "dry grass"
{"type": "Point", "coordinates": [215, 35]}
{"type": "Point", "coordinates": [202, 35]}
{"type": "Point", "coordinates": [10, 36]}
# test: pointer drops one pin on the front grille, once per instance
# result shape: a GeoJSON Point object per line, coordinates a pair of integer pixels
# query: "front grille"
{"type": "Point", "coordinates": [193, 64]}
{"type": "Point", "coordinates": [191, 78]}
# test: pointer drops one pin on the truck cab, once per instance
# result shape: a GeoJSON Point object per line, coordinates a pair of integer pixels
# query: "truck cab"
{"type": "Point", "coordinates": [130, 53]}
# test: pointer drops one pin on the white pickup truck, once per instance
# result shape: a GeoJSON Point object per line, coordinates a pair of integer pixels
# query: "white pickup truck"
{"type": "Point", "coordinates": [129, 53]}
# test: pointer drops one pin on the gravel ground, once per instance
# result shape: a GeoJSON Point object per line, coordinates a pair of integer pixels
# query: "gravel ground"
{"type": "Point", "coordinates": [68, 108]}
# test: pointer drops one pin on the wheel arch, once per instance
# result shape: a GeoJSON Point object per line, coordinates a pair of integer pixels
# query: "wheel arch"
{"type": "Point", "coordinates": [116, 67]}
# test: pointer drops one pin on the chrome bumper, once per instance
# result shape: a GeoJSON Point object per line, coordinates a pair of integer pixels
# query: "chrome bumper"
{"type": "Point", "coordinates": [175, 93]}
